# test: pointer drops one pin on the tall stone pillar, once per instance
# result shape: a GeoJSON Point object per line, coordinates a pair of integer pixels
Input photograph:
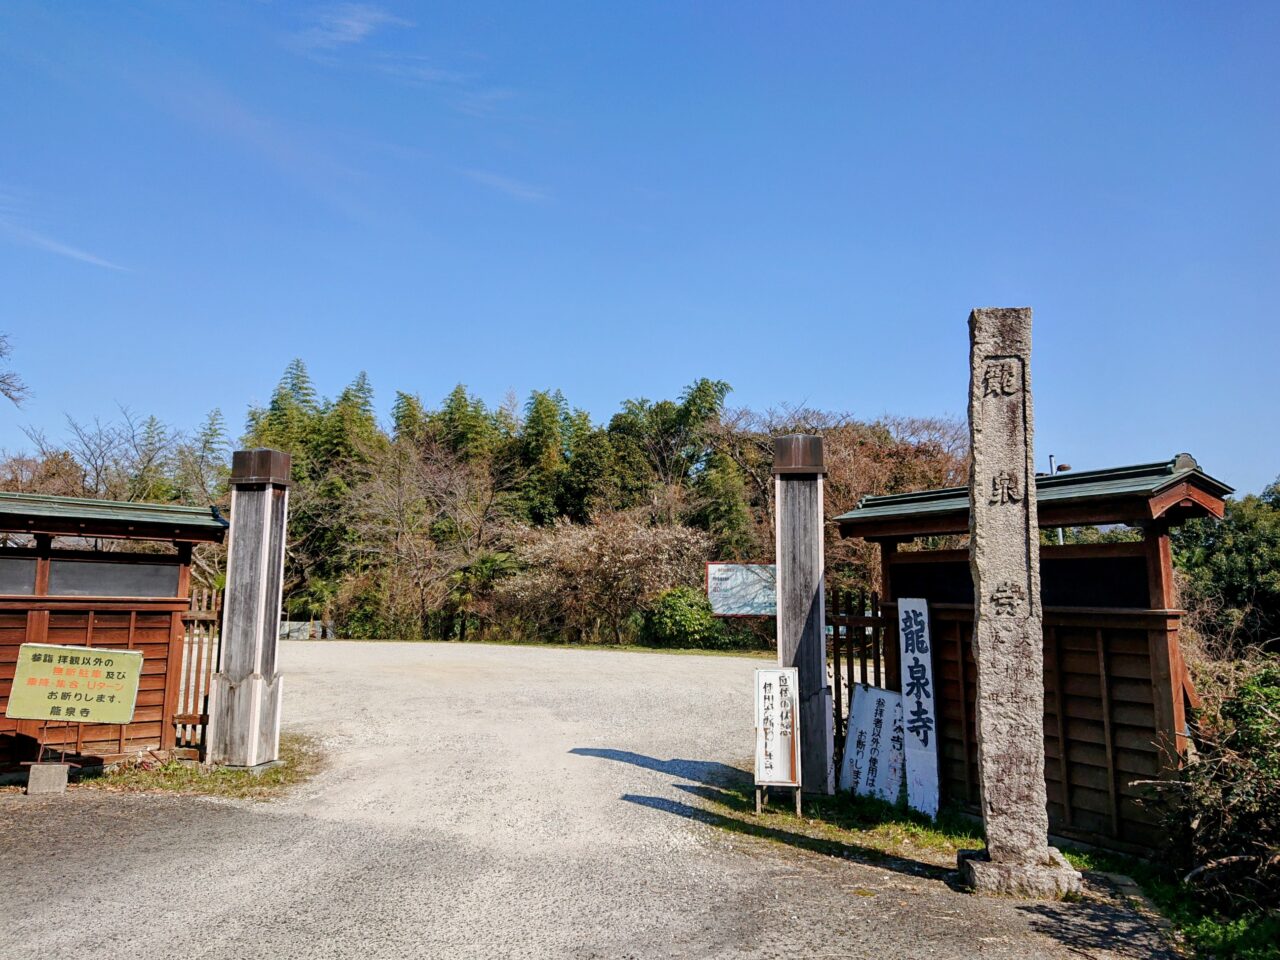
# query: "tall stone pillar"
{"type": "Point", "coordinates": [244, 699]}
{"type": "Point", "coordinates": [802, 618]}
{"type": "Point", "coordinates": [1008, 644]}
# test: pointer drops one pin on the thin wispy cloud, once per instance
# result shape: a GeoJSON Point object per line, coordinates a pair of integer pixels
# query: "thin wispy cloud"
{"type": "Point", "coordinates": [464, 92]}
{"type": "Point", "coordinates": [344, 25]}
{"type": "Point", "coordinates": [304, 158]}
{"type": "Point", "coordinates": [11, 212]}
{"type": "Point", "coordinates": [40, 241]}
{"type": "Point", "coordinates": [508, 185]}
{"type": "Point", "coordinates": [418, 71]}
{"type": "Point", "coordinates": [481, 102]}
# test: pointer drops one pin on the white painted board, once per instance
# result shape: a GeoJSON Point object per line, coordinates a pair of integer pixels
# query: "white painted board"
{"type": "Point", "coordinates": [778, 727]}
{"type": "Point", "coordinates": [920, 719]}
{"type": "Point", "coordinates": [872, 762]}
{"type": "Point", "coordinates": [743, 589]}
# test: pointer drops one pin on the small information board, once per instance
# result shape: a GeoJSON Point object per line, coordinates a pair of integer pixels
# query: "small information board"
{"type": "Point", "coordinates": [743, 589]}
{"type": "Point", "coordinates": [777, 727]}
{"type": "Point", "coordinates": [78, 684]}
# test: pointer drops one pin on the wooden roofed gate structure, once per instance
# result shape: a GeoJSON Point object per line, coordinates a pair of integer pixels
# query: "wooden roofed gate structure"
{"type": "Point", "coordinates": [59, 585]}
{"type": "Point", "coordinates": [1117, 690]}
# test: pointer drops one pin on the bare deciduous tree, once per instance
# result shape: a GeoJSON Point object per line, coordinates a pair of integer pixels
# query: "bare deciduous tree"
{"type": "Point", "coordinates": [423, 517]}
{"type": "Point", "coordinates": [11, 385]}
{"type": "Point", "coordinates": [580, 578]}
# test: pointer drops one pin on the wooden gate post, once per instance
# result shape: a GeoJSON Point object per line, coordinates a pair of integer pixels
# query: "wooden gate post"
{"type": "Point", "coordinates": [244, 707]}
{"type": "Point", "coordinates": [802, 642]}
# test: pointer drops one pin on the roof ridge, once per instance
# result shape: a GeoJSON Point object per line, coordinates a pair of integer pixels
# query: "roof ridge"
{"type": "Point", "coordinates": [1138, 479]}
{"type": "Point", "coordinates": [20, 496]}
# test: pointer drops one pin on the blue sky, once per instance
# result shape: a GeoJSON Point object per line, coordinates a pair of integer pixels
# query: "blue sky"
{"type": "Point", "coordinates": [615, 199]}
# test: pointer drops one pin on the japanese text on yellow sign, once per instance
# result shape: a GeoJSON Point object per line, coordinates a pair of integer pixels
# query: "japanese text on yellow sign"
{"type": "Point", "coordinates": [83, 684]}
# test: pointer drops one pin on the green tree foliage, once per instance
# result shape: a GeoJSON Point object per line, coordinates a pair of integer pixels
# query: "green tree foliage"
{"type": "Point", "coordinates": [1232, 570]}
{"type": "Point", "coordinates": [543, 454]}
{"type": "Point", "coordinates": [723, 509]}
{"type": "Point", "coordinates": [465, 426]}
{"type": "Point", "coordinates": [462, 519]}
{"type": "Point", "coordinates": [408, 418]}
{"type": "Point", "coordinates": [328, 441]}
{"type": "Point", "coordinates": [590, 482]}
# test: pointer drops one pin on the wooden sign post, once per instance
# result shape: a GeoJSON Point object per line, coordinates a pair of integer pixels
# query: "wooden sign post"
{"type": "Point", "coordinates": [778, 762]}
{"type": "Point", "coordinates": [802, 642]}
{"type": "Point", "coordinates": [244, 708]}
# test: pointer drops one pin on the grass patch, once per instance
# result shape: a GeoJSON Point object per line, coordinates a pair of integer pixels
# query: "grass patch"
{"type": "Point", "coordinates": [872, 830]}
{"type": "Point", "coordinates": [300, 760]}
{"type": "Point", "coordinates": [1252, 936]}
{"type": "Point", "coordinates": [843, 825]}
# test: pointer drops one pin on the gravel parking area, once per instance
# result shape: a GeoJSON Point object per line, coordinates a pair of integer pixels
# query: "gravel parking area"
{"type": "Point", "coordinates": [488, 801]}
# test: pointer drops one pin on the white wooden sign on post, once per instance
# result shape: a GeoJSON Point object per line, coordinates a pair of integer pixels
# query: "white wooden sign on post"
{"type": "Point", "coordinates": [921, 719]}
{"type": "Point", "coordinates": [777, 730]}
{"type": "Point", "coordinates": [872, 762]}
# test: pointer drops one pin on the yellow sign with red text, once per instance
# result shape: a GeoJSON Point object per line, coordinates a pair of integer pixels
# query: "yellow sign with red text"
{"type": "Point", "coordinates": [78, 684]}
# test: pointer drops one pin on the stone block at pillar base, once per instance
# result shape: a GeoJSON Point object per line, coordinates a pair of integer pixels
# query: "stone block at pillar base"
{"type": "Point", "coordinates": [256, 769]}
{"type": "Point", "coordinates": [1052, 879]}
{"type": "Point", "coordinates": [244, 721]}
{"type": "Point", "coordinates": [47, 778]}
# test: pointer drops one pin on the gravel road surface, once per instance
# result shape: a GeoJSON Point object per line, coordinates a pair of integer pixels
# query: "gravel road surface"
{"type": "Point", "coordinates": [488, 801]}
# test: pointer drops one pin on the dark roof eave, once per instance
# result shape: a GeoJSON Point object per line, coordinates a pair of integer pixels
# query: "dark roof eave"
{"type": "Point", "coordinates": [1119, 495]}
{"type": "Point", "coordinates": [77, 517]}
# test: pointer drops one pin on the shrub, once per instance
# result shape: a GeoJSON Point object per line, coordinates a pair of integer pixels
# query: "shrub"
{"type": "Point", "coordinates": [682, 617]}
{"type": "Point", "coordinates": [1227, 796]}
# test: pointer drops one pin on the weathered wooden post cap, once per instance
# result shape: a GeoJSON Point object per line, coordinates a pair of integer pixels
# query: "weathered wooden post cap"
{"type": "Point", "coordinates": [798, 453]}
{"type": "Point", "coordinates": [262, 465]}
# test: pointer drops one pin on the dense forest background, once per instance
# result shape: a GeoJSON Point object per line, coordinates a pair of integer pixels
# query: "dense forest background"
{"type": "Point", "coordinates": [528, 520]}
{"type": "Point", "coordinates": [523, 521]}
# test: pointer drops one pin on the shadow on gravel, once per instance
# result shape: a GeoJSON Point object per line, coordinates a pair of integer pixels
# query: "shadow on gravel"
{"type": "Point", "coordinates": [748, 826]}
{"type": "Point", "coordinates": [703, 771]}
{"type": "Point", "coordinates": [1093, 926]}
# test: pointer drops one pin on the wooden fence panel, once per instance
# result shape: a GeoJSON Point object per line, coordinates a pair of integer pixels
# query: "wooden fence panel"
{"type": "Point", "coordinates": [202, 630]}
{"type": "Point", "coordinates": [854, 650]}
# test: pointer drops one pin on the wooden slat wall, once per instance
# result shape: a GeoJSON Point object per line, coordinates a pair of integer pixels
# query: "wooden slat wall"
{"type": "Point", "coordinates": [149, 627]}
{"type": "Point", "coordinates": [1100, 726]}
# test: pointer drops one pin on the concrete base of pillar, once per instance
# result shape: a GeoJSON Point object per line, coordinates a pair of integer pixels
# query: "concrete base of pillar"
{"type": "Point", "coordinates": [1052, 879]}
{"type": "Point", "coordinates": [244, 721]}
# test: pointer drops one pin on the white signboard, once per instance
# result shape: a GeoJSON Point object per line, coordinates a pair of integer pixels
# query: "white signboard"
{"type": "Point", "coordinates": [777, 727]}
{"type": "Point", "coordinates": [921, 719]}
{"type": "Point", "coordinates": [872, 763]}
{"type": "Point", "coordinates": [743, 589]}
